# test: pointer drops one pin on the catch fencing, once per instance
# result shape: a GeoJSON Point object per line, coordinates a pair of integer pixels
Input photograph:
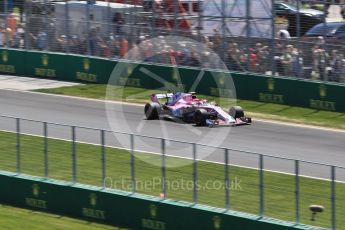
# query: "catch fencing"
{"type": "Point", "coordinates": [230, 179]}
{"type": "Point", "coordinates": [249, 36]}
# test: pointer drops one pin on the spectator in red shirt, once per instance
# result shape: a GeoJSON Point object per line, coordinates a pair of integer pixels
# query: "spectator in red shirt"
{"type": "Point", "coordinates": [253, 60]}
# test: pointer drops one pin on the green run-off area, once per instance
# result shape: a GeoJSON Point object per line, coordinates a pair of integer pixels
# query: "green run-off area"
{"type": "Point", "coordinates": [244, 187]}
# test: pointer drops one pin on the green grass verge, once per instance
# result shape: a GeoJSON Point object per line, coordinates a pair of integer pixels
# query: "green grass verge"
{"type": "Point", "coordinates": [12, 218]}
{"type": "Point", "coordinates": [254, 109]}
{"type": "Point", "coordinates": [279, 188]}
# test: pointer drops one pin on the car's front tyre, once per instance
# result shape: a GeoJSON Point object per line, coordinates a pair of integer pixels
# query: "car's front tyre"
{"type": "Point", "coordinates": [236, 112]}
{"type": "Point", "coordinates": [200, 117]}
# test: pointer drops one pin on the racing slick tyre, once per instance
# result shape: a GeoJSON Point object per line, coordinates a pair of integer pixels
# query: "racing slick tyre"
{"type": "Point", "coordinates": [200, 117]}
{"type": "Point", "coordinates": [236, 112]}
{"type": "Point", "coordinates": [152, 111]}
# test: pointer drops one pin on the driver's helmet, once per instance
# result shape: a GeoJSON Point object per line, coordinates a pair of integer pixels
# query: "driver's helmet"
{"type": "Point", "coordinates": [188, 98]}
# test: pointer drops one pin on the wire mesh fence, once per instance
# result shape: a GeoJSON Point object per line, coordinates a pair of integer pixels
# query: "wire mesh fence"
{"type": "Point", "coordinates": [230, 179]}
{"type": "Point", "coordinates": [263, 36]}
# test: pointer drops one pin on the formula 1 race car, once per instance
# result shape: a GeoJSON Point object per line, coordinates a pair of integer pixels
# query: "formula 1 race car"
{"type": "Point", "coordinates": [188, 108]}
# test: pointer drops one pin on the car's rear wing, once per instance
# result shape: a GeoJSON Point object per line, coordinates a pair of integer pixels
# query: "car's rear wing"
{"type": "Point", "coordinates": [163, 95]}
{"type": "Point", "coordinates": [156, 97]}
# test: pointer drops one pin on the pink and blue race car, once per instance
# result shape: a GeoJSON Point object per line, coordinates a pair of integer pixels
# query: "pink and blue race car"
{"type": "Point", "coordinates": [187, 107]}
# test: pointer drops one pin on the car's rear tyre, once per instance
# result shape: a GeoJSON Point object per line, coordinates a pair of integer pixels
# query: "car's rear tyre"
{"type": "Point", "coordinates": [236, 112]}
{"type": "Point", "coordinates": [152, 111]}
{"type": "Point", "coordinates": [200, 117]}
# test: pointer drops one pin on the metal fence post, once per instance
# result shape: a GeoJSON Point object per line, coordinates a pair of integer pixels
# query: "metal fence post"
{"type": "Point", "coordinates": [195, 175]}
{"type": "Point", "coordinates": [26, 12]}
{"type": "Point", "coordinates": [248, 34]}
{"type": "Point", "coordinates": [325, 74]}
{"type": "Point", "coordinates": [333, 197]}
{"type": "Point", "coordinates": [18, 145]}
{"type": "Point", "coordinates": [261, 185]}
{"type": "Point", "coordinates": [298, 30]}
{"type": "Point", "coordinates": [45, 133]}
{"type": "Point", "coordinates": [273, 44]}
{"type": "Point", "coordinates": [108, 18]}
{"type": "Point", "coordinates": [130, 39]}
{"type": "Point", "coordinates": [163, 169]}
{"type": "Point", "coordinates": [153, 27]}
{"type": "Point", "coordinates": [297, 192]}
{"type": "Point", "coordinates": [67, 27]}
{"type": "Point", "coordinates": [103, 157]}
{"type": "Point", "coordinates": [74, 157]}
{"type": "Point", "coordinates": [89, 51]}
{"type": "Point", "coordinates": [298, 21]}
{"type": "Point", "coordinates": [6, 24]}
{"type": "Point", "coordinates": [133, 164]}
{"type": "Point", "coordinates": [176, 15]}
{"type": "Point", "coordinates": [4, 7]}
{"type": "Point", "coordinates": [227, 181]}
{"type": "Point", "coordinates": [109, 25]}
{"type": "Point", "coordinates": [46, 28]}
{"type": "Point", "coordinates": [223, 45]}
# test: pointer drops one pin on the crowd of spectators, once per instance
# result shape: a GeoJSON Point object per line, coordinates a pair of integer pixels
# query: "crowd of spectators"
{"type": "Point", "coordinates": [322, 61]}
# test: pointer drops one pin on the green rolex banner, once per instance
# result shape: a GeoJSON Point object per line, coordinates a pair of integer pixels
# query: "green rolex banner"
{"type": "Point", "coordinates": [12, 62]}
{"type": "Point", "coordinates": [45, 65]}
